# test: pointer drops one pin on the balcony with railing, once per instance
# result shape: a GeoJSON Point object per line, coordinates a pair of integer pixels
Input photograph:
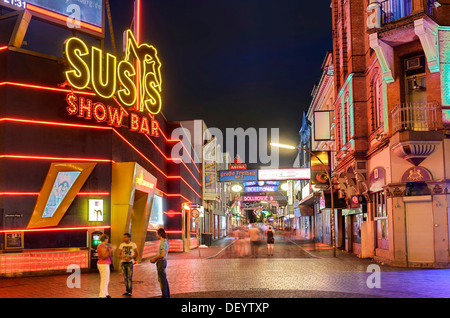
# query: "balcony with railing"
{"type": "Point", "coordinates": [417, 130]}
{"type": "Point", "coordinates": [416, 117]}
{"type": "Point", "coordinates": [393, 10]}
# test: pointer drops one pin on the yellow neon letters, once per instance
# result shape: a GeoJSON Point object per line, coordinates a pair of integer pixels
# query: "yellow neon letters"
{"type": "Point", "coordinates": [136, 79]}
{"type": "Point", "coordinates": [149, 73]}
{"type": "Point", "coordinates": [104, 83]}
{"type": "Point", "coordinates": [74, 51]}
{"type": "Point", "coordinates": [127, 94]}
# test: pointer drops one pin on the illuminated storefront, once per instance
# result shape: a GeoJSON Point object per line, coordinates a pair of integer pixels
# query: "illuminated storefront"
{"type": "Point", "coordinates": [85, 150]}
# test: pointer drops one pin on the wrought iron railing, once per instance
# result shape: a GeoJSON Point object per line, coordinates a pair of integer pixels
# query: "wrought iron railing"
{"type": "Point", "coordinates": [416, 117]}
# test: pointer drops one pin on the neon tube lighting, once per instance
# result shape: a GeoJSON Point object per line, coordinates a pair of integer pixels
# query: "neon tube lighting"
{"type": "Point", "coordinates": [64, 90]}
{"type": "Point", "coordinates": [168, 231]}
{"type": "Point", "coordinates": [61, 17]}
{"type": "Point", "coordinates": [71, 125]}
{"type": "Point", "coordinates": [40, 122]}
{"type": "Point", "coordinates": [37, 193]}
{"type": "Point", "coordinates": [79, 228]}
{"type": "Point", "coordinates": [156, 167]}
{"type": "Point", "coordinates": [95, 127]}
{"type": "Point", "coordinates": [54, 158]}
{"type": "Point", "coordinates": [3, 48]}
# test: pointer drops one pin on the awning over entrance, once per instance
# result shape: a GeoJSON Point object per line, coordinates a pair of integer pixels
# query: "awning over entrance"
{"type": "Point", "coordinates": [306, 205]}
{"type": "Point", "coordinates": [306, 210]}
{"type": "Point", "coordinates": [325, 199]}
{"type": "Point", "coordinates": [132, 191]}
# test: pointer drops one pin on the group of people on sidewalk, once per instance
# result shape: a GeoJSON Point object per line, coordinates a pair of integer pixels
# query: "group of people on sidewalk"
{"type": "Point", "coordinates": [249, 238]}
{"type": "Point", "coordinates": [128, 254]}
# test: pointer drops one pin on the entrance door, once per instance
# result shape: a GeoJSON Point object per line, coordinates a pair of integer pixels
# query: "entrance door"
{"type": "Point", "coordinates": [419, 232]}
{"type": "Point", "coordinates": [139, 216]}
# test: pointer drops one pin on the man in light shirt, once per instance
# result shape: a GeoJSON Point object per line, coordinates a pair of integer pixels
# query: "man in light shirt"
{"type": "Point", "coordinates": [128, 253]}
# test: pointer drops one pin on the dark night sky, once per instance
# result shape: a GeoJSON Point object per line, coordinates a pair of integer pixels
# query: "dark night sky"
{"type": "Point", "coordinates": [232, 63]}
{"type": "Point", "coordinates": [237, 63]}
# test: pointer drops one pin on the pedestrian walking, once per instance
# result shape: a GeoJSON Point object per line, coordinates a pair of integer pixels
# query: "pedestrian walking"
{"type": "Point", "coordinates": [255, 236]}
{"type": "Point", "coordinates": [270, 234]}
{"type": "Point", "coordinates": [104, 251]}
{"type": "Point", "coordinates": [161, 262]}
{"type": "Point", "coordinates": [128, 254]}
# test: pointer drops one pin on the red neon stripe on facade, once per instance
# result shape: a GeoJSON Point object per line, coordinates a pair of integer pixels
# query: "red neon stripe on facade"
{"type": "Point", "coordinates": [140, 153]}
{"type": "Point", "coordinates": [40, 122]}
{"type": "Point", "coordinates": [37, 193]}
{"type": "Point", "coordinates": [175, 159]}
{"type": "Point", "coordinates": [47, 88]}
{"type": "Point", "coordinates": [172, 212]}
{"type": "Point", "coordinates": [167, 231]}
{"type": "Point", "coordinates": [159, 170]}
{"type": "Point", "coordinates": [138, 21]}
{"type": "Point", "coordinates": [79, 228]}
{"type": "Point", "coordinates": [62, 17]}
{"type": "Point", "coordinates": [54, 158]}
{"type": "Point", "coordinates": [170, 195]}
{"type": "Point", "coordinates": [178, 140]}
{"type": "Point", "coordinates": [67, 125]}
{"type": "Point", "coordinates": [19, 193]}
{"type": "Point", "coordinates": [94, 127]}
{"type": "Point", "coordinates": [3, 48]}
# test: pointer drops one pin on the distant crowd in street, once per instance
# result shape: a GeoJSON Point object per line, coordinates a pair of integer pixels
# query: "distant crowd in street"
{"type": "Point", "coordinates": [249, 238]}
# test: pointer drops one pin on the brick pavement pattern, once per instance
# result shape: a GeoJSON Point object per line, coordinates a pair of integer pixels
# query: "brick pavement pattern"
{"type": "Point", "coordinates": [216, 272]}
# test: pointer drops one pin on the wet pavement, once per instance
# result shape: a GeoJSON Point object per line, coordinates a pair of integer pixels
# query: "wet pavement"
{"type": "Point", "coordinates": [298, 269]}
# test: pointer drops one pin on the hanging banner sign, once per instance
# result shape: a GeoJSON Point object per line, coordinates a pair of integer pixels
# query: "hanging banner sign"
{"type": "Point", "coordinates": [239, 166]}
{"type": "Point", "coordinates": [262, 189]}
{"type": "Point", "coordinates": [258, 198]}
{"type": "Point", "coordinates": [284, 174]}
{"type": "Point", "coordinates": [318, 171]}
{"type": "Point", "coordinates": [238, 175]}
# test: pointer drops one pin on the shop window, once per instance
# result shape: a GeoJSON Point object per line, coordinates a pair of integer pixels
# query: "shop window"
{"type": "Point", "coordinates": [381, 219]}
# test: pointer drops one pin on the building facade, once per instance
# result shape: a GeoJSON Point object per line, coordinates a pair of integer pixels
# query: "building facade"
{"type": "Point", "coordinates": [391, 104]}
{"type": "Point", "coordinates": [77, 163]}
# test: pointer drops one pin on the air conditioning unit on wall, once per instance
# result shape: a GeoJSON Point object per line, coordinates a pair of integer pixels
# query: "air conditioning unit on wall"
{"type": "Point", "coordinates": [414, 63]}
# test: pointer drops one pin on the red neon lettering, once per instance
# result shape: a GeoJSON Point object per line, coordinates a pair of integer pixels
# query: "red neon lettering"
{"type": "Point", "coordinates": [145, 129]}
{"type": "Point", "coordinates": [155, 129]}
{"type": "Point", "coordinates": [72, 108]}
{"type": "Point", "coordinates": [114, 118]}
{"type": "Point", "coordinates": [134, 122]}
{"type": "Point", "coordinates": [100, 112]}
{"type": "Point", "coordinates": [85, 107]}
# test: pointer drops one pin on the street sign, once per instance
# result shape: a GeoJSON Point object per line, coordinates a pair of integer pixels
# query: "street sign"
{"type": "Point", "coordinates": [356, 200]}
{"type": "Point", "coordinates": [195, 213]}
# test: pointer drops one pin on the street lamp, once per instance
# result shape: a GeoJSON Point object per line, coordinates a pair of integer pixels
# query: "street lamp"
{"type": "Point", "coordinates": [329, 181]}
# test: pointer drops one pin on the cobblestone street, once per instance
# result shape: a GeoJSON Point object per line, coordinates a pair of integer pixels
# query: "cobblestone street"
{"type": "Point", "coordinates": [297, 270]}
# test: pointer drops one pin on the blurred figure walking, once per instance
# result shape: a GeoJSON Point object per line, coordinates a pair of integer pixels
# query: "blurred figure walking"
{"type": "Point", "coordinates": [255, 236]}
{"type": "Point", "coordinates": [270, 234]}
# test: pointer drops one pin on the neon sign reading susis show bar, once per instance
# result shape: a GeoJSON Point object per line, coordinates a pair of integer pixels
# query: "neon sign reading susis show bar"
{"type": "Point", "coordinates": [139, 84]}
